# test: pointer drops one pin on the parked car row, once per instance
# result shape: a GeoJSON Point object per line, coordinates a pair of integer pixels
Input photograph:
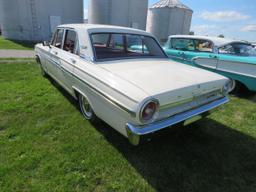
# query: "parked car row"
{"type": "Point", "coordinates": [123, 77]}
{"type": "Point", "coordinates": [231, 58]}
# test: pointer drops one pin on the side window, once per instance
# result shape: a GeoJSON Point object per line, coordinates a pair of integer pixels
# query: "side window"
{"type": "Point", "coordinates": [203, 45]}
{"type": "Point", "coordinates": [57, 42]}
{"type": "Point", "coordinates": [183, 44]}
{"type": "Point", "coordinates": [228, 49]}
{"type": "Point", "coordinates": [70, 41]}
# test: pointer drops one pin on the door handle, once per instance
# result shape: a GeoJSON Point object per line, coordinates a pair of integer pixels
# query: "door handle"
{"type": "Point", "coordinates": [55, 52]}
{"type": "Point", "coordinates": [213, 56]}
{"type": "Point", "coordinates": [73, 60]}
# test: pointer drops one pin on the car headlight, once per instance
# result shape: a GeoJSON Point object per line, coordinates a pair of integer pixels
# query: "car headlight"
{"type": "Point", "coordinates": [148, 111]}
{"type": "Point", "coordinates": [228, 86]}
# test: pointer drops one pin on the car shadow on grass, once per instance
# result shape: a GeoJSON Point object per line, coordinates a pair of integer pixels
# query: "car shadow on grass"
{"type": "Point", "coordinates": [245, 93]}
{"type": "Point", "coordinates": [64, 92]}
{"type": "Point", "coordinates": [205, 156]}
{"type": "Point", "coordinates": [248, 95]}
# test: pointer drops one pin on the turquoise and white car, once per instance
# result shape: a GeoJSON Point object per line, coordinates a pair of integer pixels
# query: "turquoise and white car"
{"type": "Point", "coordinates": [231, 58]}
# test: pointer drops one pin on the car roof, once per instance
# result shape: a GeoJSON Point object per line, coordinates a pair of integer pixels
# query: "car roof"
{"type": "Point", "coordinates": [95, 28]}
{"type": "Point", "coordinates": [216, 40]}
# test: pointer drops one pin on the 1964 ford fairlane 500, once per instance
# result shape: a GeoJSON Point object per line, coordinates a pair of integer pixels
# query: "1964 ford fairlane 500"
{"type": "Point", "coordinates": [231, 58]}
{"type": "Point", "coordinates": [135, 92]}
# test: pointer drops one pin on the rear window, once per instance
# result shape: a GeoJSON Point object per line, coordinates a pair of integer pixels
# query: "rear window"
{"type": "Point", "coordinates": [111, 46]}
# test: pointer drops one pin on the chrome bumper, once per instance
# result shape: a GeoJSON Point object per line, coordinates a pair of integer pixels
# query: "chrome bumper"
{"type": "Point", "coordinates": [134, 132]}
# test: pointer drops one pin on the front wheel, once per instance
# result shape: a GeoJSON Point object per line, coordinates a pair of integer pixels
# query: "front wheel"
{"type": "Point", "coordinates": [43, 73]}
{"type": "Point", "coordinates": [86, 109]}
{"type": "Point", "coordinates": [235, 88]}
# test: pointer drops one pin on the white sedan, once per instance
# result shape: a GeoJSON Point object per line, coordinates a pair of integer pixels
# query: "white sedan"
{"type": "Point", "coordinates": [137, 92]}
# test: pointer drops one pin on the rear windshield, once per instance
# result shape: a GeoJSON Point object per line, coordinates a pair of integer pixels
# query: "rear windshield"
{"type": "Point", "coordinates": [112, 46]}
{"type": "Point", "coordinates": [239, 49]}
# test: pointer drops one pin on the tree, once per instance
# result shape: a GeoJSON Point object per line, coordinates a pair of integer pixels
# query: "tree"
{"type": "Point", "coordinates": [221, 36]}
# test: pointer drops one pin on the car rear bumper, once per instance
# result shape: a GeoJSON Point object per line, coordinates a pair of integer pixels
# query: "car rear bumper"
{"type": "Point", "coordinates": [134, 132]}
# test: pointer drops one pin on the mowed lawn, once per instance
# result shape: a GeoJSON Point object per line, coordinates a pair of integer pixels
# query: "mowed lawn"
{"type": "Point", "coordinates": [46, 145]}
{"type": "Point", "coordinates": [18, 45]}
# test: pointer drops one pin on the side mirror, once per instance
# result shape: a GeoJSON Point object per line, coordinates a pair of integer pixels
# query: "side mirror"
{"type": "Point", "coordinates": [46, 43]}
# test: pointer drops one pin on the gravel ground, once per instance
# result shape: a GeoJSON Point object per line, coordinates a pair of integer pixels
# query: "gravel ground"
{"type": "Point", "coordinates": [16, 54]}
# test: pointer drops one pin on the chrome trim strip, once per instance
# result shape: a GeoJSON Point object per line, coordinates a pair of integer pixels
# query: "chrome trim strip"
{"type": "Point", "coordinates": [236, 61]}
{"type": "Point", "coordinates": [134, 132]}
{"type": "Point", "coordinates": [169, 105]}
{"type": "Point", "coordinates": [109, 98]}
{"type": "Point", "coordinates": [219, 69]}
{"type": "Point", "coordinates": [246, 75]}
{"type": "Point", "coordinates": [94, 77]}
{"type": "Point", "coordinates": [100, 81]}
{"type": "Point", "coordinates": [174, 104]}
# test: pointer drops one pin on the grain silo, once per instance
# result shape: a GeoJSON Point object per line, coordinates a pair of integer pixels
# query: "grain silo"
{"type": "Point", "coordinates": [168, 17]}
{"type": "Point", "coordinates": [128, 13]}
{"type": "Point", "coordinates": [35, 20]}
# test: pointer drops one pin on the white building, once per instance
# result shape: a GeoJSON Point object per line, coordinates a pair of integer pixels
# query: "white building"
{"type": "Point", "coordinates": [35, 20]}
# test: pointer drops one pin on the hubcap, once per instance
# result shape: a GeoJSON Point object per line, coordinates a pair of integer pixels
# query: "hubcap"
{"type": "Point", "coordinates": [233, 85]}
{"type": "Point", "coordinates": [86, 108]}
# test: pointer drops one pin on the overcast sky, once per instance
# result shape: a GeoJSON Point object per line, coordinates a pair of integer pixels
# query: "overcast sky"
{"type": "Point", "coordinates": [233, 18]}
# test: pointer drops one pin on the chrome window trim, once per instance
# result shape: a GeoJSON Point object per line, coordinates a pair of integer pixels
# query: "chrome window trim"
{"type": "Point", "coordinates": [62, 41]}
{"type": "Point", "coordinates": [193, 39]}
{"type": "Point", "coordinates": [76, 52]}
{"type": "Point", "coordinates": [122, 58]}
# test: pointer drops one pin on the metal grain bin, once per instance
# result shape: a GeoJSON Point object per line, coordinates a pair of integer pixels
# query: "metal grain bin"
{"type": "Point", "coordinates": [127, 13]}
{"type": "Point", "coordinates": [169, 17]}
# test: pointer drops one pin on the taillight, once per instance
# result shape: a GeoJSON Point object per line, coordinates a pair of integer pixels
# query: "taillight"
{"type": "Point", "coordinates": [148, 111]}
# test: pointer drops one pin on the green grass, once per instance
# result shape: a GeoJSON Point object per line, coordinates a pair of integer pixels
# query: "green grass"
{"type": "Point", "coordinates": [18, 45]}
{"type": "Point", "coordinates": [46, 145]}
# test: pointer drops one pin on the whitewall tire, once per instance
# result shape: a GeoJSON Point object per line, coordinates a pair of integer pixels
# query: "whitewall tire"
{"type": "Point", "coordinates": [86, 109]}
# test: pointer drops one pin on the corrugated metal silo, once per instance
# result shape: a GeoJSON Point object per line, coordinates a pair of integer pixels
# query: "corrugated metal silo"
{"type": "Point", "coordinates": [128, 13]}
{"type": "Point", "coordinates": [35, 20]}
{"type": "Point", "coordinates": [169, 17]}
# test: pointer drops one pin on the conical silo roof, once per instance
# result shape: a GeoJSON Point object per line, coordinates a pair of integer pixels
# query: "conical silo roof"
{"type": "Point", "coordinates": [170, 4]}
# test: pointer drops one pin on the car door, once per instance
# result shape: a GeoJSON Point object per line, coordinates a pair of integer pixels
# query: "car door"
{"type": "Point", "coordinates": [174, 48]}
{"type": "Point", "coordinates": [53, 66]}
{"type": "Point", "coordinates": [234, 59]}
{"type": "Point", "coordinates": [69, 57]}
{"type": "Point", "coordinates": [204, 54]}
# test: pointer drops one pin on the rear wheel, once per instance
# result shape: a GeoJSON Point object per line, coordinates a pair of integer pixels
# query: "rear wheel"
{"type": "Point", "coordinates": [43, 73]}
{"type": "Point", "coordinates": [86, 109]}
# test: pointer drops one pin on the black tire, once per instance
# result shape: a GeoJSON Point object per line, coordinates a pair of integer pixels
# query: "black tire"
{"type": "Point", "coordinates": [43, 73]}
{"type": "Point", "coordinates": [237, 88]}
{"type": "Point", "coordinates": [86, 109]}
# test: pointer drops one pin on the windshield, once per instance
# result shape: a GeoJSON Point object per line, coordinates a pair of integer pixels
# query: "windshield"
{"type": "Point", "coordinates": [111, 46]}
{"type": "Point", "coordinates": [239, 49]}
